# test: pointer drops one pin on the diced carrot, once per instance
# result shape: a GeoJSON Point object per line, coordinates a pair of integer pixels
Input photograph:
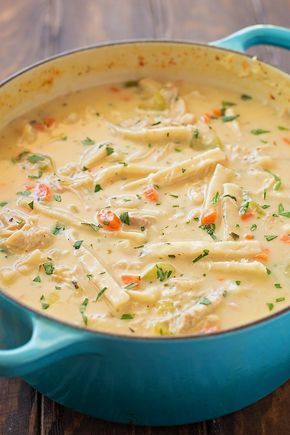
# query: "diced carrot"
{"type": "Point", "coordinates": [286, 140]}
{"type": "Point", "coordinates": [38, 126]}
{"type": "Point", "coordinates": [262, 256]}
{"type": "Point", "coordinates": [114, 89]}
{"type": "Point", "coordinates": [151, 194]}
{"type": "Point", "coordinates": [209, 216]}
{"type": "Point", "coordinates": [220, 278]}
{"type": "Point", "coordinates": [109, 220]}
{"type": "Point", "coordinates": [217, 112]}
{"type": "Point", "coordinates": [285, 238]}
{"type": "Point", "coordinates": [29, 186]}
{"type": "Point", "coordinates": [249, 236]}
{"type": "Point", "coordinates": [132, 279]}
{"type": "Point", "coordinates": [248, 215]}
{"type": "Point", "coordinates": [205, 118]}
{"type": "Point", "coordinates": [43, 192]}
{"type": "Point", "coordinates": [48, 121]}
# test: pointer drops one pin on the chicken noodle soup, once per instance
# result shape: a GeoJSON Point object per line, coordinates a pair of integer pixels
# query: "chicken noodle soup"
{"type": "Point", "coordinates": [148, 208]}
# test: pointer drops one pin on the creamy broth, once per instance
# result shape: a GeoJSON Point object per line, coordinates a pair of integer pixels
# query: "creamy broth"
{"type": "Point", "coordinates": [148, 208]}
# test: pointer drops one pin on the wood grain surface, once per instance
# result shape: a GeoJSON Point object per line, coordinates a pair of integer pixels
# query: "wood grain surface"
{"type": "Point", "coordinates": [31, 30]}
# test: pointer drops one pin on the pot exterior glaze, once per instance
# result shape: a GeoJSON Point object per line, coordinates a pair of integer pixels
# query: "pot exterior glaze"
{"type": "Point", "coordinates": [146, 381]}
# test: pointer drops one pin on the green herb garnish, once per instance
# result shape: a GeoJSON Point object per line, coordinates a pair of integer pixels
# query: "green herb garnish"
{"type": "Point", "coordinates": [49, 268]}
{"type": "Point", "coordinates": [88, 141]}
{"type": "Point", "coordinates": [83, 308]}
{"type": "Point", "coordinates": [102, 291]}
{"type": "Point", "coordinates": [77, 244]}
{"type": "Point", "coordinates": [215, 198]}
{"type": "Point", "coordinates": [230, 118]}
{"type": "Point", "coordinates": [37, 279]}
{"type": "Point", "coordinates": [31, 204]}
{"type": "Point", "coordinates": [270, 237]}
{"type": "Point", "coordinates": [270, 306]}
{"type": "Point", "coordinates": [257, 131]}
{"type": "Point", "coordinates": [209, 229]}
{"type": "Point", "coordinates": [127, 316]}
{"type": "Point", "coordinates": [204, 301]}
{"type": "Point", "coordinates": [3, 203]}
{"type": "Point", "coordinates": [57, 198]}
{"type": "Point", "coordinates": [278, 182]}
{"type": "Point", "coordinates": [204, 253]}
{"type": "Point", "coordinates": [246, 97]}
{"type": "Point", "coordinates": [92, 226]}
{"type": "Point", "coordinates": [109, 150]}
{"type": "Point", "coordinates": [98, 188]}
{"type": "Point", "coordinates": [125, 218]}
{"type": "Point", "coordinates": [57, 229]}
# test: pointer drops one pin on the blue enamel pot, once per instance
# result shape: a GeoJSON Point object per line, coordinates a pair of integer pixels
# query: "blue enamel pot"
{"type": "Point", "coordinates": [146, 381]}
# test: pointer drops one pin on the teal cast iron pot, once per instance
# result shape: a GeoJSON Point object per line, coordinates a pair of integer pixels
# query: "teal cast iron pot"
{"type": "Point", "coordinates": [147, 381]}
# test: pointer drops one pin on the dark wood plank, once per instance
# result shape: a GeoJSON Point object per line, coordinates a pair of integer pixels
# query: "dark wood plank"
{"type": "Point", "coordinates": [19, 408]}
{"type": "Point", "coordinates": [57, 25]}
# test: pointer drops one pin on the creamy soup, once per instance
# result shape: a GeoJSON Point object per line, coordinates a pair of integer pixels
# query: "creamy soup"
{"type": "Point", "coordinates": [148, 208]}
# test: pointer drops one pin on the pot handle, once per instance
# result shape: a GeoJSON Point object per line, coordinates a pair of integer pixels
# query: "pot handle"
{"type": "Point", "coordinates": [255, 35]}
{"type": "Point", "coordinates": [48, 341]}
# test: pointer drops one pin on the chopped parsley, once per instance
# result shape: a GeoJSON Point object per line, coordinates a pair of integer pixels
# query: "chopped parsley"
{"type": "Point", "coordinates": [77, 244]}
{"type": "Point", "coordinates": [253, 227]}
{"type": "Point", "coordinates": [98, 188]}
{"type": "Point", "coordinates": [37, 279]}
{"type": "Point", "coordinates": [57, 229]}
{"type": "Point", "coordinates": [270, 237]}
{"type": "Point", "coordinates": [228, 104]}
{"type": "Point", "coordinates": [57, 198]}
{"type": "Point", "coordinates": [125, 218]}
{"type": "Point", "coordinates": [195, 133]}
{"type": "Point", "coordinates": [101, 292]}
{"type": "Point", "coordinates": [171, 256]}
{"type": "Point", "coordinates": [258, 131]}
{"type": "Point", "coordinates": [245, 204]}
{"type": "Point", "coordinates": [278, 182]}
{"type": "Point", "coordinates": [88, 141]}
{"type": "Point", "coordinates": [94, 227]}
{"type": "Point", "coordinates": [246, 97]}
{"type": "Point", "coordinates": [109, 150]}
{"type": "Point", "coordinates": [277, 285]}
{"type": "Point", "coordinates": [280, 299]}
{"type": "Point", "coordinates": [3, 203]}
{"type": "Point", "coordinates": [230, 118]}
{"type": "Point", "coordinates": [281, 128]}
{"type": "Point", "coordinates": [270, 306]}
{"type": "Point", "coordinates": [30, 204]}
{"type": "Point", "coordinates": [282, 212]}
{"type": "Point", "coordinates": [204, 301]}
{"type": "Point", "coordinates": [48, 268]}
{"type": "Point", "coordinates": [83, 308]}
{"type": "Point", "coordinates": [215, 198]}
{"type": "Point", "coordinates": [209, 229]}
{"type": "Point", "coordinates": [35, 158]}
{"type": "Point", "coordinates": [204, 253]}
{"type": "Point", "coordinates": [238, 282]}
{"type": "Point", "coordinates": [162, 274]}
{"type": "Point", "coordinates": [127, 316]}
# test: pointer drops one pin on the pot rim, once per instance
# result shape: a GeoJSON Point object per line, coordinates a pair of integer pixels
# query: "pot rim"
{"type": "Point", "coordinates": [65, 53]}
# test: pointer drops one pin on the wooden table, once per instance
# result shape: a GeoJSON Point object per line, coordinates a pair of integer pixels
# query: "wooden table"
{"type": "Point", "coordinates": [31, 30]}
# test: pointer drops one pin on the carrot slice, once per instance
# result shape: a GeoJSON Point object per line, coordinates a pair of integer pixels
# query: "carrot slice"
{"type": "Point", "coordinates": [217, 112]}
{"type": "Point", "coordinates": [132, 279]}
{"type": "Point", "coordinates": [209, 217]}
{"type": "Point", "coordinates": [262, 256]}
{"type": "Point", "coordinates": [38, 126]}
{"type": "Point", "coordinates": [109, 219]}
{"type": "Point", "coordinates": [286, 140]}
{"type": "Point", "coordinates": [249, 236]}
{"type": "Point", "coordinates": [285, 238]}
{"type": "Point", "coordinates": [48, 121]}
{"type": "Point", "coordinates": [43, 192]}
{"type": "Point", "coordinates": [151, 194]}
{"type": "Point", "coordinates": [114, 89]}
{"type": "Point", "coordinates": [246, 216]}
